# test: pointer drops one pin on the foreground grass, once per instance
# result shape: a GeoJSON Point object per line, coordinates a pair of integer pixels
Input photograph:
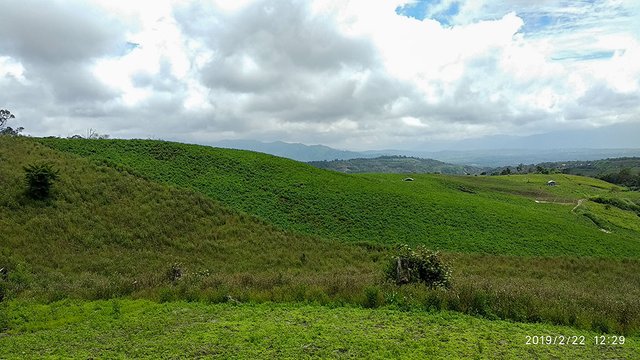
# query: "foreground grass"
{"type": "Point", "coordinates": [496, 215]}
{"type": "Point", "coordinates": [142, 329]}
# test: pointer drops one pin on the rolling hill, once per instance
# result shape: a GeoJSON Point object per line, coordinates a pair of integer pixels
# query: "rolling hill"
{"type": "Point", "coordinates": [596, 168]}
{"type": "Point", "coordinates": [106, 233]}
{"type": "Point", "coordinates": [395, 165]}
{"type": "Point", "coordinates": [132, 222]}
{"type": "Point", "coordinates": [494, 215]}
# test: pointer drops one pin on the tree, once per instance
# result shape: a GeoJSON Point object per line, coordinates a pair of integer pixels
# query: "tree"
{"type": "Point", "coordinates": [5, 115]}
{"type": "Point", "coordinates": [9, 131]}
{"type": "Point", "coordinates": [39, 178]}
{"type": "Point", "coordinates": [92, 134]}
{"type": "Point", "coordinates": [541, 170]}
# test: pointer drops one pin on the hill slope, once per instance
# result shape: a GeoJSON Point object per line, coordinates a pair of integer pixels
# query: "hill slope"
{"type": "Point", "coordinates": [105, 233]}
{"type": "Point", "coordinates": [471, 214]}
{"type": "Point", "coordinates": [108, 234]}
{"type": "Point", "coordinates": [394, 165]}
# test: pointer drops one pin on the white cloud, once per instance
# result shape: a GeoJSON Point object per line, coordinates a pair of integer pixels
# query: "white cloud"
{"type": "Point", "coordinates": [350, 74]}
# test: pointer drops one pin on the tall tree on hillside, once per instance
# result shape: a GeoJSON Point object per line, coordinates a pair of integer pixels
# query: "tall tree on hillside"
{"type": "Point", "coordinates": [5, 115]}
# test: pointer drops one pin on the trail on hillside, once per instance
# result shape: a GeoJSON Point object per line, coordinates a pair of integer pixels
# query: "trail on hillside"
{"type": "Point", "coordinates": [552, 202]}
{"type": "Point", "coordinates": [579, 203]}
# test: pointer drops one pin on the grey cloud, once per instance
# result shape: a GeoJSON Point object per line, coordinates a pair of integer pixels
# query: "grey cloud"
{"type": "Point", "coordinates": [73, 83]}
{"type": "Point", "coordinates": [162, 81]}
{"type": "Point", "coordinates": [56, 42]}
{"type": "Point", "coordinates": [601, 103]}
{"type": "Point", "coordinates": [276, 72]}
{"type": "Point", "coordinates": [276, 34]}
{"type": "Point", "coordinates": [289, 64]}
{"type": "Point", "coordinates": [603, 97]}
{"type": "Point", "coordinates": [56, 32]}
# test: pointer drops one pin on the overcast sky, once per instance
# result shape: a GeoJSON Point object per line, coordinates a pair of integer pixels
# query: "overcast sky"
{"type": "Point", "coordinates": [349, 74]}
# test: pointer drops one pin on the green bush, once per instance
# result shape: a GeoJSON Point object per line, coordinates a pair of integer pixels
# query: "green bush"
{"type": "Point", "coordinates": [419, 265]}
{"type": "Point", "coordinates": [373, 297]}
{"type": "Point", "coordinates": [39, 179]}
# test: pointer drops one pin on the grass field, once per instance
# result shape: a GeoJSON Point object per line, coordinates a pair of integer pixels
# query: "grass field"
{"type": "Point", "coordinates": [495, 215]}
{"type": "Point", "coordinates": [142, 329]}
{"type": "Point", "coordinates": [112, 232]}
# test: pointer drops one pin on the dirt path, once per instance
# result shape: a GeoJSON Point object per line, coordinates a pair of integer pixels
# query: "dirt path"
{"type": "Point", "coordinates": [579, 203]}
{"type": "Point", "coordinates": [552, 202]}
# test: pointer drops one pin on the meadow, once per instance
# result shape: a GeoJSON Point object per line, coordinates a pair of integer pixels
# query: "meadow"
{"type": "Point", "coordinates": [143, 329]}
{"type": "Point", "coordinates": [493, 215]}
{"type": "Point", "coordinates": [113, 231]}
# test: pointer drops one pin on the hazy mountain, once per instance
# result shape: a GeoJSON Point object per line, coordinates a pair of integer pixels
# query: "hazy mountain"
{"type": "Point", "coordinates": [590, 144]}
{"type": "Point", "coordinates": [619, 136]}
{"type": "Point", "coordinates": [293, 151]}
{"type": "Point", "coordinates": [506, 157]}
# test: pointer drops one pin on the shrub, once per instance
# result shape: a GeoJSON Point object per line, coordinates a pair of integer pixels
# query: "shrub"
{"type": "Point", "coordinates": [175, 272]}
{"type": "Point", "coordinates": [39, 179]}
{"type": "Point", "coordinates": [373, 297]}
{"type": "Point", "coordinates": [419, 265]}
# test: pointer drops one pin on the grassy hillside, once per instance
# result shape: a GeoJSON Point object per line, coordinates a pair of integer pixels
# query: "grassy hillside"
{"type": "Point", "coordinates": [140, 329]}
{"type": "Point", "coordinates": [106, 233]}
{"type": "Point", "coordinates": [497, 215]}
{"type": "Point", "coordinates": [394, 165]}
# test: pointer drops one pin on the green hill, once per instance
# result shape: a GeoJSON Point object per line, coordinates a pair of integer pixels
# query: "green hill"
{"type": "Point", "coordinates": [395, 165]}
{"type": "Point", "coordinates": [596, 168]}
{"type": "Point", "coordinates": [496, 215]}
{"type": "Point", "coordinates": [106, 233]}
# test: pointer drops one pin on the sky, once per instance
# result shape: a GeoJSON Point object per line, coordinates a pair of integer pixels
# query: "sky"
{"type": "Point", "coordinates": [354, 75]}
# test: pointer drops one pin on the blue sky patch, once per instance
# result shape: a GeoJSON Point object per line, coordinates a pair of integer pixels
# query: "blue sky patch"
{"type": "Point", "coordinates": [595, 55]}
{"type": "Point", "coordinates": [417, 10]}
{"type": "Point", "coordinates": [423, 9]}
{"type": "Point", "coordinates": [534, 22]}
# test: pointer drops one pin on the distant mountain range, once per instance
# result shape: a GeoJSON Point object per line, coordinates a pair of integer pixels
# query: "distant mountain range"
{"type": "Point", "coordinates": [295, 151]}
{"type": "Point", "coordinates": [618, 136]}
{"type": "Point", "coordinates": [395, 165]}
{"type": "Point", "coordinates": [477, 158]}
{"type": "Point", "coordinates": [512, 157]}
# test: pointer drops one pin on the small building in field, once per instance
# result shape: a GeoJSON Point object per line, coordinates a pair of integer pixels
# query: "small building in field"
{"type": "Point", "coordinates": [408, 179]}
{"type": "Point", "coordinates": [551, 183]}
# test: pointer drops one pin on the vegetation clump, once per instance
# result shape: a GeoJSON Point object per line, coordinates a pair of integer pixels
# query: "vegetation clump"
{"type": "Point", "coordinates": [175, 272]}
{"type": "Point", "coordinates": [622, 204]}
{"type": "Point", "coordinates": [419, 265]}
{"type": "Point", "coordinates": [40, 178]}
